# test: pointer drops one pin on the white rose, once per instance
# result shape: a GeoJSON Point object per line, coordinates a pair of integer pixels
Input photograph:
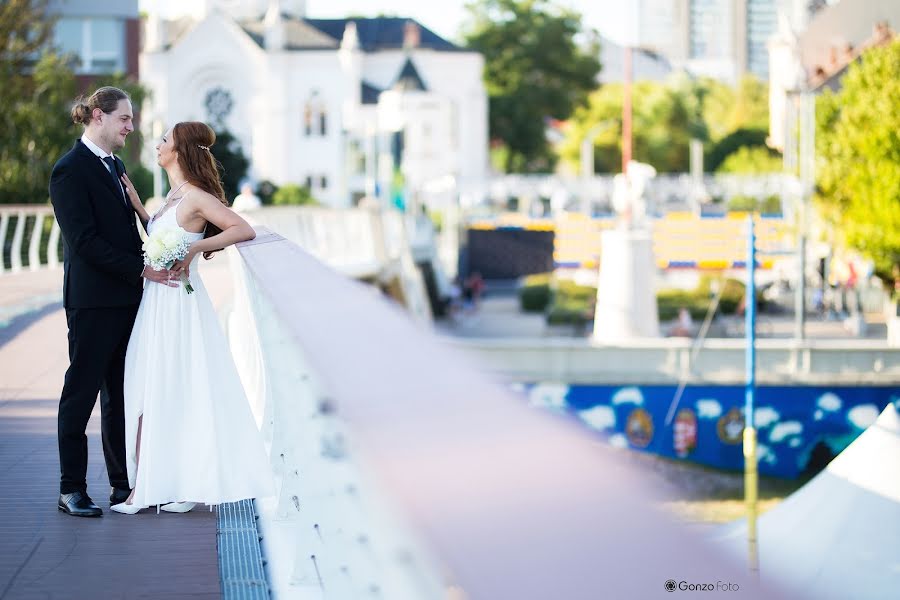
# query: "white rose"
{"type": "Point", "coordinates": [154, 249]}
{"type": "Point", "coordinates": [171, 238]}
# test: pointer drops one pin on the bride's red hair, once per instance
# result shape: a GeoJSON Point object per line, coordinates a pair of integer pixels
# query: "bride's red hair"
{"type": "Point", "coordinates": [193, 145]}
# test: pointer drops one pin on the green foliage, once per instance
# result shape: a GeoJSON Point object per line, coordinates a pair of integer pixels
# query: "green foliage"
{"type": "Point", "coordinates": [36, 90]}
{"type": "Point", "coordinates": [39, 131]}
{"type": "Point", "coordinates": [563, 301]}
{"type": "Point", "coordinates": [730, 144]}
{"type": "Point", "coordinates": [566, 302]}
{"type": "Point", "coordinates": [732, 292]}
{"type": "Point", "coordinates": [227, 150]}
{"type": "Point", "coordinates": [534, 293]}
{"type": "Point", "coordinates": [666, 116]}
{"type": "Point", "coordinates": [571, 304]}
{"type": "Point", "coordinates": [662, 127]}
{"type": "Point", "coordinates": [266, 190]}
{"type": "Point", "coordinates": [752, 160]}
{"type": "Point", "coordinates": [36, 95]}
{"type": "Point", "coordinates": [142, 178]}
{"type": "Point", "coordinates": [293, 195]}
{"type": "Point", "coordinates": [727, 109]}
{"type": "Point", "coordinates": [533, 69]}
{"type": "Point", "coordinates": [698, 300]}
{"type": "Point", "coordinates": [770, 205]}
{"type": "Point", "coordinates": [858, 148]}
{"type": "Point", "coordinates": [669, 302]}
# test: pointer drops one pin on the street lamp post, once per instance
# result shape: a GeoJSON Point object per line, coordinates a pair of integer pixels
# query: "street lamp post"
{"type": "Point", "coordinates": [587, 160]}
{"type": "Point", "coordinates": [807, 159]}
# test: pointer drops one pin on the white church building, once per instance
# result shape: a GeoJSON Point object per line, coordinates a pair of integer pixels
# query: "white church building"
{"type": "Point", "coordinates": [379, 107]}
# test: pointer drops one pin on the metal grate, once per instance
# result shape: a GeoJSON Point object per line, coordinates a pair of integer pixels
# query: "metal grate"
{"type": "Point", "coordinates": [241, 570]}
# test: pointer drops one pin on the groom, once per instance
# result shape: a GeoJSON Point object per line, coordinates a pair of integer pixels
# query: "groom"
{"type": "Point", "coordinates": [102, 288]}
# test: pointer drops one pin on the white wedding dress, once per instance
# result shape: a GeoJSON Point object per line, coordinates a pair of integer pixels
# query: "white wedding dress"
{"type": "Point", "coordinates": [199, 441]}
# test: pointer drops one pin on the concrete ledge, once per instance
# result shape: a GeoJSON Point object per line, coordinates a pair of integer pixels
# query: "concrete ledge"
{"type": "Point", "coordinates": [669, 361]}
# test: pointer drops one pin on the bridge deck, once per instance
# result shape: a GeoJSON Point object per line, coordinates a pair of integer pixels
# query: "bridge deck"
{"type": "Point", "coordinates": [44, 553]}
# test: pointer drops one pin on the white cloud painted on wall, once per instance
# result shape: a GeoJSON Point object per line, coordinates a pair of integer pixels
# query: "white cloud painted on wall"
{"type": "Point", "coordinates": [785, 429]}
{"type": "Point", "coordinates": [549, 395]}
{"type": "Point", "coordinates": [863, 415]}
{"type": "Point", "coordinates": [765, 416]}
{"type": "Point", "coordinates": [765, 454]}
{"type": "Point", "coordinates": [628, 395]}
{"type": "Point", "coordinates": [708, 408]}
{"type": "Point", "coordinates": [619, 441]}
{"type": "Point", "coordinates": [599, 417]}
{"type": "Point", "coordinates": [830, 402]}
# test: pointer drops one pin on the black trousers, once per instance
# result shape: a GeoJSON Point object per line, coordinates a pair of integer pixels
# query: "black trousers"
{"type": "Point", "coordinates": [98, 338]}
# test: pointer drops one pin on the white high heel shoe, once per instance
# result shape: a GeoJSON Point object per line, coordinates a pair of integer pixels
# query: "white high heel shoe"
{"type": "Point", "coordinates": [179, 507]}
{"type": "Point", "coordinates": [127, 509]}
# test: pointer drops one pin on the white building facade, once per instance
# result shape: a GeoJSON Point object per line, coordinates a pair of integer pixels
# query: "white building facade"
{"type": "Point", "coordinates": [379, 107]}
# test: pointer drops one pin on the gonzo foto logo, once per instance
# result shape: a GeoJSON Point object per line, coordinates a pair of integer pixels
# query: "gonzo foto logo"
{"type": "Point", "coordinates": [685, 586]}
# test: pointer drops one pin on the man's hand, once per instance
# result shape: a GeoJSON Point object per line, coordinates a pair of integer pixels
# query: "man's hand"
{"type": "Point", "coordinates": [164, 277]}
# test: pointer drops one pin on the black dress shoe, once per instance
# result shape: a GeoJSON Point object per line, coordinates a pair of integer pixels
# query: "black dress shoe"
{"type": "Point", "coordinates": [118, 495]}
{"type": "Point", "coordinates": [78, 504]}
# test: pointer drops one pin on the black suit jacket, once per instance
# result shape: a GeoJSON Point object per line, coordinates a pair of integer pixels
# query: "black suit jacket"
{"type": "Point", "coordinates": [101, 245]}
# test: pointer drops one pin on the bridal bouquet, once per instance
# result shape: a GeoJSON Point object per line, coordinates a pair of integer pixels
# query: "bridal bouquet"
{"type": "Point", "coordinates": [163, 247]}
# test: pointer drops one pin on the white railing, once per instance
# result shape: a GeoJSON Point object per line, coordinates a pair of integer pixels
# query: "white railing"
{"type": "Point", "coordinates": [21, 214]}
{"type": "Point", "coordinates": [404, 473]}
{"type": "Point", "coordinates": [371, 244]}
{"type": "Point", "coordinates": [360, 243]}
{"type": "Point", "coordinates": [664, 192]}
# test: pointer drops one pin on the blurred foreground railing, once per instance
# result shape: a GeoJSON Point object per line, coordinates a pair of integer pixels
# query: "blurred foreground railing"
{"type": "Point", "coordinates": [404, 473]}
{"type": "Point", "coordinates": [29, 238]}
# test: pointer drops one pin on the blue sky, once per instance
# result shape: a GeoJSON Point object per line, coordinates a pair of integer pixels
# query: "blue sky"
{"type": "Point", "coordinates": [443, 17]}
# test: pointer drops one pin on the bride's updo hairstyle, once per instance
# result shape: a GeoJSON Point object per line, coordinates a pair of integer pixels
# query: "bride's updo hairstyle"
{"type": "Point", "coordinates": [105, 98]}
{"type": "Point", "coordinates": [193, 142]}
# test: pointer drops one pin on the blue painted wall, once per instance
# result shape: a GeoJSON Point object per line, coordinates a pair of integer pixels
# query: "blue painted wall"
{"type": "Point", "coordinates": [791, 420]}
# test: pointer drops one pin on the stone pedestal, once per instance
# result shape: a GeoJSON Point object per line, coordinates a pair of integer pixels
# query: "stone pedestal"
{"type": "Point", "coordinates": [626, 291]}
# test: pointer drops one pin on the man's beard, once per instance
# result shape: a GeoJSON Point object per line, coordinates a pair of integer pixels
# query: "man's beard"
{"type": "Point", "coordinates": [115, 143]}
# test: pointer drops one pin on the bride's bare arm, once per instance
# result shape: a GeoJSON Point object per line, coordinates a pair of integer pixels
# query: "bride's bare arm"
{"type": "Point", "coordinates": [208, 208]}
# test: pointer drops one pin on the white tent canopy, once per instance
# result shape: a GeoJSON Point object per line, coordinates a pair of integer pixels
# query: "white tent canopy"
{"type": "Point", "coordinates": [838, 536]}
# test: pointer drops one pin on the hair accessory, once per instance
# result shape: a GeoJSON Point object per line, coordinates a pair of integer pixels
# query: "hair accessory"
{"type": "Point", "coordinates": [203, 147]}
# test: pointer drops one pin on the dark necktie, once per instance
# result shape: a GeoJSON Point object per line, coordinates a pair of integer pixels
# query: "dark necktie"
{"type": "Point", "coordinates": [111, 163]}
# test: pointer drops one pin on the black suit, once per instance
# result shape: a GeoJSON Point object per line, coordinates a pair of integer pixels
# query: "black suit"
{"type": "Point", "coordinates": [102, 288]}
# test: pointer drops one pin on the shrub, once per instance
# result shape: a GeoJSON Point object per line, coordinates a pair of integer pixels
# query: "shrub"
{"type": "Point", "coordinates": [266, 190]}
{"type": "Point", "coordinates": [534, 292]}
{"type": "Point", "coordinates": [293, 195]}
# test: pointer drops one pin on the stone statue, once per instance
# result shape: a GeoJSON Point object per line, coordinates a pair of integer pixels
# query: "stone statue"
{"type": "Point", "coordinates": [628, 199]}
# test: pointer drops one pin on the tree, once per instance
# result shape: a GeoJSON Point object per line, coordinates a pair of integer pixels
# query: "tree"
{"type": "Point", "coordinates": [38, 88]}
{"type": "Point", "coordinates": [752, 160]}
{"type": "Point", "coordinates": [233, 164]}
{"type": "Point", "coordinates": [666, 116]}
{"type": "Point", "coordinates": [534, 69]}
{"type": "Point", "coordinates": [664, 121]}
{"type": "Point", "coordinates": [727, 109]}
{"type": "Point", "coordinates": [37, 85]}
{"type": "Point", "coordinates": [858, 164]}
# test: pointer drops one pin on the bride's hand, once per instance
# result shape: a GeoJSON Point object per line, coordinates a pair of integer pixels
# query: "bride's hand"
{"type": "Point", "coordinates": [132, 193]}
{"type": "Point", "coordinates": [184, 265]}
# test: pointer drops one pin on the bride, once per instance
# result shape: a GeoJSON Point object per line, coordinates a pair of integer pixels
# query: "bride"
{"type": "Point", "coordinates": [190, 434]}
